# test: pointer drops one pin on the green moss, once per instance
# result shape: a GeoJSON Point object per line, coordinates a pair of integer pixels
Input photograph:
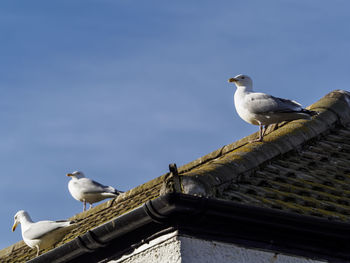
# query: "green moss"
{"type": "Point", "coordinates": [287, 206]}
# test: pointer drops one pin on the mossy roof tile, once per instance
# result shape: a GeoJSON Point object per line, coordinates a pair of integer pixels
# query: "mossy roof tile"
{"type": "Point", "coordinates": [312, 180]}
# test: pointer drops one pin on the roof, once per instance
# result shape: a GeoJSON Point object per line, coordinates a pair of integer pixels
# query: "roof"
{"type": "Point", "coordinates": [300, 168]}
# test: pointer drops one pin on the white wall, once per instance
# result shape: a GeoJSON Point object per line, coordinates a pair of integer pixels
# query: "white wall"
{"type": "Point", "coordinates": [160, 250]}
{"type": "Point", "coordinates": [201, 251]}
{"type": "Point", "coordinates": [173, 248]}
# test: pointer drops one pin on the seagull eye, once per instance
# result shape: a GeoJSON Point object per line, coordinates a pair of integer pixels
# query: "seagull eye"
{"type": "Point", "coordinates": [242, 77]}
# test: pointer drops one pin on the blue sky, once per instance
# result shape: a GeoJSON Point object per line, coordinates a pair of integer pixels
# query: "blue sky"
{"type": "Point", "coordinates": [120, 89]}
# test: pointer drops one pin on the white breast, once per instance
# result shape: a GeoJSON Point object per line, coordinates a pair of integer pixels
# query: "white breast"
{"type": "Point", "coordinates": [75, 191]}
{"type": "Point", "coordinates": [242, 111]}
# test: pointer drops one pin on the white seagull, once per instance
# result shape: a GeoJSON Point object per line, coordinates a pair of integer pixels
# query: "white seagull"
{"type": "Point", "coordinates": [263, 109]}
{"type": "Point", "coordinates": [42, 234]}
{"type": "Point", "coordinates": [88, 191]}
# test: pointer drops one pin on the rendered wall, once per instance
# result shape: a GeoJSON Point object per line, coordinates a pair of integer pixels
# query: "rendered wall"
{"type": "Point", "coordinates": [173, 248]}
{"type": "Point", "coordinates": [202, 251]}
{"type": "Point", "coordinates": [160, 250]}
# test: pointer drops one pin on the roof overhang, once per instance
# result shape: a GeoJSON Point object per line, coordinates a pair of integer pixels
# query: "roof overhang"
{"type": "Point", "coordinates": [214, 219]}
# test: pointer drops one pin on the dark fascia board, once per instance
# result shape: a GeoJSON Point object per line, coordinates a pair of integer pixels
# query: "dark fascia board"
{"type": "Point", "coordinates": [211, 219]}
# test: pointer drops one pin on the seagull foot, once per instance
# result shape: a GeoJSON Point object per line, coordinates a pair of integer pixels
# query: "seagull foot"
{"type": "Point", "coordinates": [256, 140]}
{"type": "Point", "coordinates": [262, 130]}
{"type": "Point", "coordinates": [37, 250]}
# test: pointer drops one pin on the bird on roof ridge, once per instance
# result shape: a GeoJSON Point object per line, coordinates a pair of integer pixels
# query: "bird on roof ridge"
{"type": "Point", "coordinates": [89, 191]}
{"type": "Point", "coordinates": [263, 109]}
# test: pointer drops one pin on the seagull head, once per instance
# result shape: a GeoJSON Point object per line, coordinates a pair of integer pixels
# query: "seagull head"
{"type": "Point", "coordinates": [19, 216]}
{"type": "Point", "coordinates": [242, 81]}
{"type": "Point", "coordinates": [76, 175]}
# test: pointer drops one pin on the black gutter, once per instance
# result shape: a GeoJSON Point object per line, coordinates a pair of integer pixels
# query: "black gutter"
{"type": "Point", "coordinates": [212, 219]}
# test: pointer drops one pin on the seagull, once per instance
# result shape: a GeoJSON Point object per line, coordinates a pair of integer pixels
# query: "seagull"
{"type": "Point", "coordinates": [263, 109]}
{"type": "Point", "coordinates": [42, 234]}
{"type": "Point", "coordinates": [88, 191]}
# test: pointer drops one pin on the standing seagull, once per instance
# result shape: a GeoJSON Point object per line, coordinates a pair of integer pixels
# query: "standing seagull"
{"type": "Point", "coordinates": [88, 191]}
{"type": "Point", "coordinates": [42, 234]}
{"type": "Point", "coordinates": [263, 109]}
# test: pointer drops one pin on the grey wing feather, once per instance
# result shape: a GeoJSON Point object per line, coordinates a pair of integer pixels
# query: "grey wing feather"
{"type": "Point", "coordinates": [263, 103]}
{"type": "Point", "coordinates": [41, 228]}
{"type": "Point", "coordinates": [91, 186]}
{"type": "Point", "coordinates": [286, 105]}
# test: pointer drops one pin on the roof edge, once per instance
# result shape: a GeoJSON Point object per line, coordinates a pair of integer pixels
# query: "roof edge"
{"type": "Point", "coordinates": [217, 219]}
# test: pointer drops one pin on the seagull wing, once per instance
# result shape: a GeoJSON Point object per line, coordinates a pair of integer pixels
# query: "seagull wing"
{"type": "Point", "coordinates": [259, 103]}
{"type": "Point", "coordinates": [90, 186]}
{"type": "Point", "coordinates": [41, 228]}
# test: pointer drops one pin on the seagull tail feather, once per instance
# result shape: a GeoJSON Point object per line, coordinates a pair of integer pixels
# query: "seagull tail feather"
{"type": "Point", "coordinates": [117, 192]}
{"type": "Point", "coordinates": [309, 112]}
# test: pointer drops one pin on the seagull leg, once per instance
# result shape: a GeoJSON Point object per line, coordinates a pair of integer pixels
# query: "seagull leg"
{"type": "Point", "coordinates": [84, 207]}
{"type": "Point", "coordinates": [90, 206]}
{"type": "Point", "coordinates": [265, 128]}
{"type": "Point", "coordinates": [37, 250]}
{"type": "Point", "coordinates": [261, 133]}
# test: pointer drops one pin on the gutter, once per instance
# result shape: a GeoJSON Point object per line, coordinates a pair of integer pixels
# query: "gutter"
{"type": "Point", "coordinates": [211, 219]}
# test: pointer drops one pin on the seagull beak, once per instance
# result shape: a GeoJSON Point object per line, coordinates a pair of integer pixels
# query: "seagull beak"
{"type": "Point", "coordinates": [232, 80]}
{"type": "Point", "coordinates": [14, 226]}
{"type": "Point", "coordinates": [69, 174]}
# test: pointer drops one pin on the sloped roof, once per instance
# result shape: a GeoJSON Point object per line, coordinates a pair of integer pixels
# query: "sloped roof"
{"type": "Point", "coordinates": [313, 180]}
{"type": "Point", "coordinates": [301, 167]}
